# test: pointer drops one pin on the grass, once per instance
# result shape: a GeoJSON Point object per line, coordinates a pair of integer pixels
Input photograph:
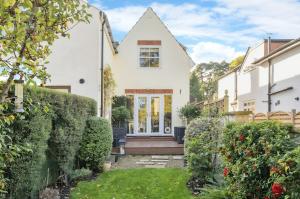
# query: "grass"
{"type": "Point", "coordinates": [143, 183]}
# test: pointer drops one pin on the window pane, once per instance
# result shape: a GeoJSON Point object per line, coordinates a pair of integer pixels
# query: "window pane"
{"type": "Point", "coordinates": [130, 106]}
{"type": "Point", "coordinates": [154, 62]}
{"type": "Point", "coordinates": [168, 114]}
{"type": "Point", "coordinates": [142, 114]}
{"type": "Point", "coordinates": [144, 62]}
{"type": "Point", "coordinates": [155, 105]}
{"type": "Point", "coordinates": [144, 52]}
{"type": "Point", "coordinates": [154, 52]}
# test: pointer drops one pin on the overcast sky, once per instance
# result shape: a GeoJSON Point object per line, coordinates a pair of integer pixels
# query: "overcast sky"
{"type": "Point", "coordinates": [213, 30]}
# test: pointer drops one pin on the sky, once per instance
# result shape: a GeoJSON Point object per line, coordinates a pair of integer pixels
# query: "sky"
{"type": "Point", "coordinates": [212, 30]}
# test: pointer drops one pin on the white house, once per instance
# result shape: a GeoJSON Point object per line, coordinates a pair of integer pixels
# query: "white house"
{"type": "Point", "coordinates": [153, 68]}
{"type": "Point", "coordinates": [267, 80]}
{"type": "Point", "coordinates": [75, 63]}
{"type": "Point", "coordinates": [149, 66]}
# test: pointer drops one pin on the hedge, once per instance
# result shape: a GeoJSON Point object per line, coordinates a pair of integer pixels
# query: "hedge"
{"type": "Point", "coordinates": [53, 124]}
{"type": "Point", "coordinates": [96, 144]}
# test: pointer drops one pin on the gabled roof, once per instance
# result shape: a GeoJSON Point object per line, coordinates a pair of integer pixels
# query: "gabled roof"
{"type": "Point", "coordinates": [288, 46]}
{"type": "Point", "coordinates": [183, 48]}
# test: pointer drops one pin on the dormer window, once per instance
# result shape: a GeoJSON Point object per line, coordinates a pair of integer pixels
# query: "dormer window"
{"type": "Point", "coordinates": [149, 57]}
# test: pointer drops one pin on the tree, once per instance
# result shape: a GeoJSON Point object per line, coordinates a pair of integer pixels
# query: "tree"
{"type": "Point", "coordinates": [195, 94]}
{"type": "Point", "coordinates": [236, 62]}
{"type": "Point", "coordinates": [208, 74]}
{"type": "Point", "coordinates": [27, 30]}
{"type": "Point", "coordinates": [109, 87]}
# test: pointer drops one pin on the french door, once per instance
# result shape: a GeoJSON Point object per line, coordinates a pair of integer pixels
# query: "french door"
{"type": "Point", "coordinates": [148, 114]}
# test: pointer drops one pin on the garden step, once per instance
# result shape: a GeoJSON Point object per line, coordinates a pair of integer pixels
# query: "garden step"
{"type": "Point", "coordinates": [178, 157]}
{"type": "Point", "coordinates": [145, 163]}
{"type": "Point", "coordinates": [159, 160]}
{"type": "Point", "coordinates": [155, 166]}
{"type": "Point", "coordinates": [160, 157]}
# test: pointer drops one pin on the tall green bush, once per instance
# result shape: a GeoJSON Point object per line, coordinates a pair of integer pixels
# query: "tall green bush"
{"type": "Point", "coordinates": [96, 144]}
{"type": "Point", "coordinates": [258, 163]}
{"type": "Point", "coordinates": [201, 148]}
{"type": "Point", "coordinates": [53, 124]}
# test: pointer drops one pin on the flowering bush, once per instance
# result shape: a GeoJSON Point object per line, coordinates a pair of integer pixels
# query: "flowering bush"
{"type": "Point", "coordinates": [259, 162]}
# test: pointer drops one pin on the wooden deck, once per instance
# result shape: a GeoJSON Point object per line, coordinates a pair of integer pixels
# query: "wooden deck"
{"type": "Point", "coordinates": [153, 146]}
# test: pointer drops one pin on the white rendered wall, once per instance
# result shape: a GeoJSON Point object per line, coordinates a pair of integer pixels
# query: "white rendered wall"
{"type": "Point", "coordinates": [286, 69]}
{"type": "Point", "coordinates": [227, 83]}
{"type": "Point", "coordinates": [79, 57]}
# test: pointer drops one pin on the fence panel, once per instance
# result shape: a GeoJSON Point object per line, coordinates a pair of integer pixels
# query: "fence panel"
{"type": "Point", "coordinates": [283, 117]}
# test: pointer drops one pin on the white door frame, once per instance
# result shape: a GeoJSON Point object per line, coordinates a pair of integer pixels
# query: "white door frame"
{"type": "Point", "coordinates": [161, 114]}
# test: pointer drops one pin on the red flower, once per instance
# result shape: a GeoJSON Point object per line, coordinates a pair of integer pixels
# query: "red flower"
{"type": "Point", "coordinates": [266, 197]}
{"type": "Point", "coordinates": [242, 138]}
{"type": "Point", "coordinates": [277, 189]}
{"type": "Point", "coordinates": [225, 172]}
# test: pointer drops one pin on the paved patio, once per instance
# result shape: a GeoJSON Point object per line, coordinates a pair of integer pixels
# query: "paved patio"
{"type": "Point", "coordinates": [149, 161]}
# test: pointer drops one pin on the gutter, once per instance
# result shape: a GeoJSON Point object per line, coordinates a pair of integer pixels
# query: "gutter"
{"type": "Point", "coordinates": [102, 64]}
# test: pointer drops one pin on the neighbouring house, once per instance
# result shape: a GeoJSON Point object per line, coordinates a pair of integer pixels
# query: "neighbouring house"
{"type": "Point", "coordinates": [268, 80]}
{"type": "Point", "coordinates": [75, 63]}
{"type": "Point", "coordinates": [152, 68]}
{"type": "Point", "coordinates": [149, 66]}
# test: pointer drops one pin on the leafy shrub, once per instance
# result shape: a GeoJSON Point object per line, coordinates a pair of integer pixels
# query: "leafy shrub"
{"type": "Point", "coordinates": [120, 115]}
{"type": "Point", "coordinates": [189, 112]}
{"type": "Point", "coordinates": [213, 192]}
{"type": "Point", "coordinates": [80, 174]}
{"type": "Point", "coordinates": [118, 101]}
{"type": "Point", "coordinates": [96, 144]}
{"type": "Point", "coordinates": [52, 124]}
{"type": "Point", "coordinates": [201, 147]}
{"type": "Point", "coordinates": [258, 163]}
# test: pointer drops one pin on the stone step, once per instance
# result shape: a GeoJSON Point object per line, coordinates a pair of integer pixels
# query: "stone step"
{"type": "Point", "coordinates": [159, 160]}
{"type": "Point", "coordinates": [155, 166]}
{"type": "Point", "coordinates": [160, 157]}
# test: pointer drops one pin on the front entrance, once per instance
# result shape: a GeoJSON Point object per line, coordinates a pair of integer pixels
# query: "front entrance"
{"type": "Point", "coordinates": [152, 114]}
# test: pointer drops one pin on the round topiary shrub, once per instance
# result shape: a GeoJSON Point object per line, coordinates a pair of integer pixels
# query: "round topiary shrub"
{"type": "Point", "coordinates": [257, 161]}
{"type": "Point", "coordinates": [96, 143]}
{"type": "Point", "coordinates": [201, 149]}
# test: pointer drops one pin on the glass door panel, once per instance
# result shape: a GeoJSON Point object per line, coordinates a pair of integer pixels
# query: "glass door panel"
{"type": "Point", "coordinates": [142, 115]}
{"type": "Point", "coordinates": [155, 114]}
{"type": "Point", "coordinates": [168, 114]}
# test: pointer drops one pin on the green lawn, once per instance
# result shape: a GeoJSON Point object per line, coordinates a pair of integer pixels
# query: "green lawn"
{"type": "Point", "coordinates": [136, 184]}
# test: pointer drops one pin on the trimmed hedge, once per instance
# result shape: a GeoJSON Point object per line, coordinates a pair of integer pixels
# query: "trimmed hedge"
{"type": "Point", "coordinates": [96, 144]}
{"type": "Point", "coordinates": [258, 161]}
{"type": "Point", "coordinates": [53, 124]}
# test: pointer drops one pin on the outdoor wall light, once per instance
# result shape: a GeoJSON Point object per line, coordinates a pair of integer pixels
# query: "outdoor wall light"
{"type": "Point", "coordinates": [81, 81]}
{"type": "Point", "coordinates": [297, 98]}
{"type": "Point", "coordinates": [19, 96]}
{"type": "Point", "coordinates": [277, 103]}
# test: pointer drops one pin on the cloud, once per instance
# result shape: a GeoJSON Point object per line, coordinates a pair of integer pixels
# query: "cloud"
{"type": "Point", "coordinates": [210, 51]}
{"type": "Point", "coordinates": [282, 18]}
{"type": "Point", "coordinates": [122, 19]}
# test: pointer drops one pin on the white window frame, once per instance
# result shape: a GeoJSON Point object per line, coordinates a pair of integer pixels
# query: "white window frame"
{"type": "Point", "coordinates": [250, 105]}
{"type": "Point", "coordinates": [149, 46]}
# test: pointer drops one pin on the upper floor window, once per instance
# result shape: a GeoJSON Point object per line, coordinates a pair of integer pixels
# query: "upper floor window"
{"type": "Point", "coordinates": [249, 106]}
{"type": "Point", "coordinates": [149, 57]}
